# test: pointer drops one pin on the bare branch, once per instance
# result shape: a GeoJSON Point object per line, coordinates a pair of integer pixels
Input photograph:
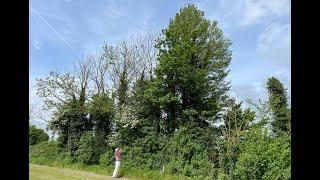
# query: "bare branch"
{"type": "Point", "coordinates": [83, 70]}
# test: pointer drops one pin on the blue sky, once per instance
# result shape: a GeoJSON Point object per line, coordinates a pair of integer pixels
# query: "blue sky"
{"type": "Point", "coordinates": [260, 30]}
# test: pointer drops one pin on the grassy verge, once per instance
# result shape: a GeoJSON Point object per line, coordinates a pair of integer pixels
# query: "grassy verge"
{"type": "Point", "coordinates": [40, 172]}
{"type": "Point", "coordinates": [126, 172]}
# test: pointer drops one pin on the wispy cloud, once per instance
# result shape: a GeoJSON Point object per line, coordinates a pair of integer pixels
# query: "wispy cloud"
{"type": "Point", "coordinates": [50, 26]}
{"type": "Point", "coordinates": [255, 11]}
{"type": "Point", "coordinates": [274, 43]}
{"type": "Point", "coordinates": [246, 13]}
{"type": "Point", "coordinates": [36, 44]}
{"type": "Point", "coordinates": [252, 12]}
{"type": "Point", "coordinates": [255, 90]}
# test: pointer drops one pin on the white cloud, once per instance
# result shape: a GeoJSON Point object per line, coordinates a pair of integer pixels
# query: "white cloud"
{"type": "Point", "coordinates": [246, 13]}
{"type": "Point", "coordinates": [36, 44]}
{"type": "Point", "coordinates": [252, 12]}
{"type": "Point", "coordinates": [253, 91]}
{"type": "Point", "coordinates": [114, 10]}
{"type": "Point", "coordinates": [277, 7]}
{"type": "Point", "coordinates": [255, 11]}
{"type": "Point", "coordinates": [283, 72]}
{"type": "Point", "coordinates": [258, 87]}
{"type": "Point", "coordinates": [274, 43]}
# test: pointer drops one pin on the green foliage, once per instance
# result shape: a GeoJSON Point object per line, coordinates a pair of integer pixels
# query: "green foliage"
{"type": "Point", "coordinates": [90, 149]}
{"type": "Point", "coordinates": [101, 115]}
{"type": "Point", "coordinates": [148, 112]}
{"type": "Point", "coordinates": [126, 123]}
{"type": "Point", "coordinates": [225, 157]}
{"type": "Point", "coordinates": [279, 106]}
{"type": "Point", "coordinates": [181, 154]}
{"type": "Point", "coordinates": [36, 135]}
{"type": "Point", "coordinates": [236, 122]}
{"type": "Point", "coordinates": [263, 157]}
{"type": "Point", "coordinates": [193, 62]}
{"type": "Point", "coordinates": [144, 153]}
{"type": "Point", "coordinates": [238, 119]}
{"type": "Point", "coordinates": [101, 111]}
{"type": "Point", "coordinates": [57, 89]}
{"type": "Point", "coordinates": [85, 151]}
{"type": "Point", "coordinates": [122, 90]}
{"type": "Point", "coordinates": [70, 124]}
{"type": "Point", "coordinates": [107, 158]}
{"type": "Point", "coordinates": [186, 156]}
{"type": "Point", "coordinates": [44, 151]}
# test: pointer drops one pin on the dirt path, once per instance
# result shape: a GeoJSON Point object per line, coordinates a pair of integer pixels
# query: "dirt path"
{"type": "Point", "coordinates": [40, 172]}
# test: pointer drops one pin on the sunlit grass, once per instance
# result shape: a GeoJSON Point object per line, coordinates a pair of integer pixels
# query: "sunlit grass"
{"type": "Point", "coordinates": [128, 173]}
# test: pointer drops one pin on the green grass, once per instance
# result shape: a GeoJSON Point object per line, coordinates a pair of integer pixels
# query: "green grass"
{"type": "Point", "coordinates": [40, 172]}
{"type": "Point", "coordinates": [128, 173]}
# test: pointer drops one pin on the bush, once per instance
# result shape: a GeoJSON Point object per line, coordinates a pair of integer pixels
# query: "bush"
{"type": "Point", "coordinates": [228, 156]}
{"type": "Point", "coordinates": [222, 175]}
{"type": "Point", "coordinates": [186, 156]}
{"type": "Point", "coordinates": [263, 157]}
{"type": "Point", "coordinates": [107, 158]}
{"type": "Point", "coordinates": [37, 135]}
{"type": "Point", "coordinates": [179, 154]}
{"type": "Point", "coordinates": [44, 151]}
{"type": "Point", "coordinates": [90, 148]}
{"type": "Point", "coordinates": [85, 152]}
{"type": "Point", "coordinates": [134, 157]}
{"type": "Point", "coordinates": [139, 157]}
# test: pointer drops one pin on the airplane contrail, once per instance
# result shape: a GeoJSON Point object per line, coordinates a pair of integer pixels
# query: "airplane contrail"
{"type": "Point", "coordinates": [51, 27]}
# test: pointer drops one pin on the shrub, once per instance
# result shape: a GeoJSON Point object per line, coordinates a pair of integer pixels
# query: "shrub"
{"type": "Point", "coordinates": [107, 158]}
{"type": "Point", "coordinates": [91, 148]}
{"type": "Point", "coordinates": [144, 153]}
{"type": "Point", "coordinates": [264, 157]}
{"type": "Point", "coordinates": [44, 151]}
{"type": "Point", "coordinates": [185, 156]}
{"type": "Point", "coordinates": [37, 135]}
{"type": "Point", "coordinates": [222, 175]}
{"type": "Point", "coordinates": [228, 156]}
{"type": "Point", "coordinates": [85, 152]}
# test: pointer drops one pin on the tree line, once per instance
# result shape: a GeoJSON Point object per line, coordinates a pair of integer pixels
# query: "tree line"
{"type": "Point", "coordinates": [158, 96]}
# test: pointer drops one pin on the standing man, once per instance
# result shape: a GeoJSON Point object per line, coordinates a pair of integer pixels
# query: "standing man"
{"type": "Point", "coordinates": [116, 172]}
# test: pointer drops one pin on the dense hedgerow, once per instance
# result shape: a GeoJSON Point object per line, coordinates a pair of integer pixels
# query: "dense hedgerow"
{"type": "Point", "coordinates": [178, 154]}
{"type": "Point", "coordinates": [45, 151]}
{"type": "Point", "coordinates": [264, 157]}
